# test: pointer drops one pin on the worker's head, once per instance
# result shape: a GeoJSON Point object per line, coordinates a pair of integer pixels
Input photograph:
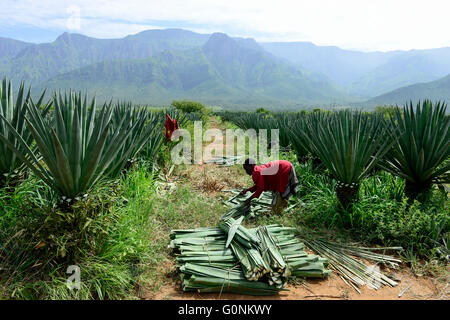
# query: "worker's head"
{"type": "Point", "coordinates": [249, 165]}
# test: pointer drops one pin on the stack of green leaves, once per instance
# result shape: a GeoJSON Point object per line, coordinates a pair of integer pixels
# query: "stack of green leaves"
{"type": "Point", "coordinates": [203, 247]}
{"type": "Point", "coordinates": [279, 271]}
{"type": "Point", "coordinates": [215, 279]}
{"type": "Point", "coordinates": [233, 258]}
{"type": "Point", "coordinates": [259, 206]}
{"type": "Point", "coordinates": [226, 161]}
{"type": "Point", "coordinates": [246, 237]}
{"type": "Point", "coordinates": [246, 245]}
{"type": "Point", "coordinates": [301, 264]}
{"type": "Point", "coordinates": [206, 265]}
{"type": "Point", "coordinates": [252, 263]}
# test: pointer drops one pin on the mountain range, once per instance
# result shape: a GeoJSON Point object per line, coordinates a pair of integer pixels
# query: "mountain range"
{"type": "Point", "coordinates": [370, 74]}
{"type": "Point", "coordinates": [157, 66]}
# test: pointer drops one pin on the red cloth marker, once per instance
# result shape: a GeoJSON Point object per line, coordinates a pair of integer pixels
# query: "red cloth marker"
{"type": "Point", "coordinates": [170, 126]}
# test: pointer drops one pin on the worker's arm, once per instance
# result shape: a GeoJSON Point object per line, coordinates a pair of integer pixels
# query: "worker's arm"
{"type": "Point", "coordinates": [251, 189]}
{"type": "Point", "coordinates": [257, 193]}
{"type": "Point", "coordinates": [258, 188]}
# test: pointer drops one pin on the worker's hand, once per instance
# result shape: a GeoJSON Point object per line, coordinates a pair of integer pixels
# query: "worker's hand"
{"type": "Point", "coordinates": [243, 192]}
{"type": "Point", "coordinates": [248, 202]}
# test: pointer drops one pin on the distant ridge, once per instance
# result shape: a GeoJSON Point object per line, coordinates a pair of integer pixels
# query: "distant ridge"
{"type": "Point", "coordinates": [434, 90]}
{"type": "Point", "coordinates": [366, 74]}
{"type": "Point", "coordinates": [10, 47]}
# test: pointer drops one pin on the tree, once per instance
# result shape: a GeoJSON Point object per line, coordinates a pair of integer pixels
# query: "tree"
{"type": "Point", "coordinates": [262, 110]}
{"type": "Point", "coordinates": [189, 106]}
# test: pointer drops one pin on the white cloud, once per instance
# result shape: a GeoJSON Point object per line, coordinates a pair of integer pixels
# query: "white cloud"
{"type": "Point", "coordinates": [366, 25]}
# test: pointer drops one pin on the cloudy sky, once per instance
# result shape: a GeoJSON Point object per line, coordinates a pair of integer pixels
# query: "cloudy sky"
{"type": "Point", "coordinates": [366, 25]}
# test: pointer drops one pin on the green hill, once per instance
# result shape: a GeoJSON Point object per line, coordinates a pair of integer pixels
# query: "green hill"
{"type": "Point", "coordinates": [434, 90]}
{"type": "Point", "coordinates": [155, 66]}
{"type": "Point", "coordinates": [37, 63]}
{"type": "Point", "coordinates": [10, 48]}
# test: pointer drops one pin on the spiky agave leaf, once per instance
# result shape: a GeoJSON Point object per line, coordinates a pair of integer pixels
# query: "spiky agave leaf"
{"type": "Point", "coordinates": [146, 133]}
{"type": "Point", "coordinates": [422, 147]}
{"type": "Point", "coordinates": [14, 111]}
{"type": "Point", "coordinates": [307, 124]}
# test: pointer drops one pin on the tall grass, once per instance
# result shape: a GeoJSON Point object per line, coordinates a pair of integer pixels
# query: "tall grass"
{"type": "Point", "coordinates": [110, 245]}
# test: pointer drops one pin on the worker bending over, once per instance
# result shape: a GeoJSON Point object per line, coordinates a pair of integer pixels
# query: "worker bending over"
{"type": "Point", "coordinates": [277, 176]}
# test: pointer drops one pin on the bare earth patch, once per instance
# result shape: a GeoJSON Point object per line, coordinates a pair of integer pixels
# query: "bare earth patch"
{"type": "Point", "coordinates": [333, 288]}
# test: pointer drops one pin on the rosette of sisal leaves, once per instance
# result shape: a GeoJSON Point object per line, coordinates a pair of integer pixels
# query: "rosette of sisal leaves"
{"type": "Point", "coordinates": [349, 144]}
{"type": "Point", "coordinates": [75, 145]}
{"type": "Point", "coordinates": [421, 153]}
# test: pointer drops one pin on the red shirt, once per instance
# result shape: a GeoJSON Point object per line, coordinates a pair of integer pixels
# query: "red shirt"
{"type": "Point", "coordinates": [272, 176]}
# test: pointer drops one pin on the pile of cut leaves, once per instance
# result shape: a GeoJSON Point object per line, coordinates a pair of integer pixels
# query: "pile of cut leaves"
{"type": "Point", "coordinates": [259, 206]}
{"type": "Point", "coordinates": [235, 259]}
{"type": "Point", "coordinates": [353, 272]}
{"type": "Point", "coordinates": [226, 161]}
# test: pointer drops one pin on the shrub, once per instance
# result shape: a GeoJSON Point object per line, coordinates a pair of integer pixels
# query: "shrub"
{"type": "Point", "coordinates": [188, 106]}
{"type": "Point", "coordinates": [262, 110]}
{"type": "Point", "coordinates": [381, 216]}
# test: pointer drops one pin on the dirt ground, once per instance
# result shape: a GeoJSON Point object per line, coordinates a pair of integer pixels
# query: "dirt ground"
{"type": "Point", "coordinates": [211, 179]}
{"type": "Point", "coordinates": [333, 288]}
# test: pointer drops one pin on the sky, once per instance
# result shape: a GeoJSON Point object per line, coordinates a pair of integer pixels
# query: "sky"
{"type": "Point", "coordinates": [365, 25]}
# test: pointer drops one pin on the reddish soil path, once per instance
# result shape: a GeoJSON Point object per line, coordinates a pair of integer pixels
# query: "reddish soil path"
{"type": "Point", "coordinates": [333, 288]}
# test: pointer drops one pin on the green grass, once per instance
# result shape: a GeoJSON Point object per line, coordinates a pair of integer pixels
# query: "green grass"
{"type": "Point", "coordinates": [181, 209]}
